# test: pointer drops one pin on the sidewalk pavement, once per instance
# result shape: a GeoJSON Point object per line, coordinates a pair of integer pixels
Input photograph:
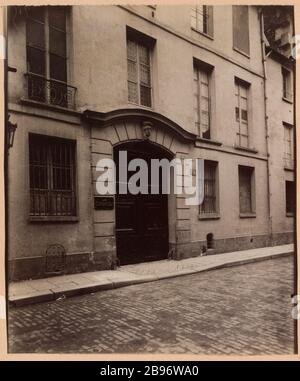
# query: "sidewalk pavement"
{"type": "Point", "coordinates": [53, 288]}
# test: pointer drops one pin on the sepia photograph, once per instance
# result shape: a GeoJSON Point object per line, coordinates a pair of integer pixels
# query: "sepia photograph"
{"type": "Point", "coordinates": [150, 179]}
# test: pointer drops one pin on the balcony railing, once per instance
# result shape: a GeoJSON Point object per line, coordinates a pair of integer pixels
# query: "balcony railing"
{"type": "Point", "coordinates": [50, 91]}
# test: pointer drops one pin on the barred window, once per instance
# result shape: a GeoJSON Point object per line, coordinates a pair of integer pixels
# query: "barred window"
{"type": "Point", "coordinates": [290, 198]}
{"type": "Point", "coordinates": [46, 41]}
{"type": "Point", "coordinates": [139, 73]}
{"type": "Point", "coordinates": [52, 176]}
{"type": "Point", "coordinates": [241, 28]}
{"type": "Point", "coordinates": [246, 190]}
{"type": "Point", "coordinates": [209, 205]}
{"type": "Point", "coordinates": [202, 102]}
{"type": "Point", "coordinates": [288, 146]}
{"type": "Point", "coordinates": [202, 19]}
{"type": "Point", "coordinates": [241, 113]}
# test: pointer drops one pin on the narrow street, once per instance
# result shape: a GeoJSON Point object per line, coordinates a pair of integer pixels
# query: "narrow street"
{"type": "Point", "coordinates": [237, 310]}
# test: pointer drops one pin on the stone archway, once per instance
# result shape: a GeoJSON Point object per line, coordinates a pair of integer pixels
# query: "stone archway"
{"type": "Point", "coordinates": [134, 125]}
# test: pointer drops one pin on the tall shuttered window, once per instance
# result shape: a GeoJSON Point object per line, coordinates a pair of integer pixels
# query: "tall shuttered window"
{"type": "Point", "coordinates": [288, 146]}
{"type": "Point", "coordinates": [202, 19]}
{"type": "Point", "coordinates": [287, 88]}
{"type": "Point", "coordinates": [202, 101]}
{"type": "Point", "coordinates": [246, 189]}
{"type": "Point", "coordinates": [209, 205]}
{"type": "Point", "coordinates": [52, 176]}
{"type": "Point", "coordinates": [241, 40]}
{"type": "Point", "coordinates": [139, 73]}
{"type": "Point", "coordinates": [242, 113]}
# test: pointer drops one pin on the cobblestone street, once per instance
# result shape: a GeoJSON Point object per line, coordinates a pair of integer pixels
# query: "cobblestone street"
{"type": "Point", "coordinates": [243, 309]}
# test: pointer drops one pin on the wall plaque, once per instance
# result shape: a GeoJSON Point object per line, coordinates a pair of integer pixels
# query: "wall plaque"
{"type": "Point", "coordinates": [103, 203]}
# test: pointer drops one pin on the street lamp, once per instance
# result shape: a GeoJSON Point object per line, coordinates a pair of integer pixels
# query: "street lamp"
{"type": "Point", "coordinates": [11, 129]}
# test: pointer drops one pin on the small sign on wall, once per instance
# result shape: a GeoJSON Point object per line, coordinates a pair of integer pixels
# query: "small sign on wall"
{"type": "Point", "coordinates": [103, 203]}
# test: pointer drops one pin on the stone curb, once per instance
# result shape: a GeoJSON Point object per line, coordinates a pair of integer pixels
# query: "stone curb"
{"type": "Point", "coordinates": [56, 293]}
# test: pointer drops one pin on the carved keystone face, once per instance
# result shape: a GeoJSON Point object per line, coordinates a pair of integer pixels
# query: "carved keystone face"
{"type": "Point", "coordinates": [147, 126]}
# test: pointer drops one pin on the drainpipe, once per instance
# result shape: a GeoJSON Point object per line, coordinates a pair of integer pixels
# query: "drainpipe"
{"type": "Point", "coordinates": [264, 60]}
{"type": "Point", "coordinates": [5, 66]}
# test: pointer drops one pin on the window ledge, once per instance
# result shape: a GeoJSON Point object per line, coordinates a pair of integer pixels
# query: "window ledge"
{"type": "Point", "coordinates": [202, 33]}
{"type": "Point", "coordinates": [290, 214]}
{"type": "Point", "coordinates": [208, 141]}
{"type": "Point", "coordinates": [53, 219]}
{"type": "Point", "coordinates": [241, 52]}
{"type": "Point", "coordinates": [47, 106]}
{"type": "Point", "coordinates": [213, 216]}
{"type": "Point", "coordinates": [250, 150]}
{"type": "Point", "coordinates": [287, 168]}
{"type": "Point", "coordinates": [247, 215]}
{"type": "Point", "coordinates": [141, 106]}
{"type": "Point", "coordinates": [287, 100]}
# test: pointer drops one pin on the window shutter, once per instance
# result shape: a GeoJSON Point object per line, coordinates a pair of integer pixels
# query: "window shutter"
{"type": "Point", "coordinates": [241, 28]}
{"type": "Point", "coordinates": [210, 17]}
{"type": "Point", "coordinates": [245, 174]}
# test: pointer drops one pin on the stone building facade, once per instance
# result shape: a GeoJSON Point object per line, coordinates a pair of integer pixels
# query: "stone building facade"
{"type": "Point", "coordinates": [158, 81]}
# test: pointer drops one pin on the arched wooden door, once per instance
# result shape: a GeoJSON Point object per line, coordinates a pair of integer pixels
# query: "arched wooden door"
{"type": "Point", "coordinates": [141, 219]}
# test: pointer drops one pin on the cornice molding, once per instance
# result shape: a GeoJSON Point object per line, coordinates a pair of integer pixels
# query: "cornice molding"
{"type": "Point", "coordinates": [103, 119]}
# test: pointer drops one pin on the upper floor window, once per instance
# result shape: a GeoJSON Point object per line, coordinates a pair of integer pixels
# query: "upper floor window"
{"type": "Point", "coordinates": [202, 78]}
{"type": "Point", "coordinates": [46, 46]}
{"type": "Point", "coordinates": [202, 19]}
{"type": "Point", "coordinates": [139, 73]}
{"type": "Point", "coordinates": [287, 89]}
{"type": "Point", "coordinates": [241, 28]}
{"type": "Point", "coordinates": [52, 176]}
{"type": "Point", "coordinates": [242, 113]}
{"type": "Point", "coordinates": [288, 145]}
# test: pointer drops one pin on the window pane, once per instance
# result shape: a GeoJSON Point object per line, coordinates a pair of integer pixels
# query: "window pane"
{"type": "Point", "coordinates": [131, 50]}
{"type": "Point", "coordinates": [204, 104]}
{"type": "Point", "coordinates": [57, 42]}
{"type": "Point", "coordinates": [145, 96]}
{"type": "Point", "coordinates": [244, 141]}
{"type": "Point", "coordinates": [133, 92]}
{"type": "Point", "coordinates": [36, 61]}
{"type": "Point", "coordinates": [244, 129]}
{"type": "Point", "coordinates": [194, 22]}
{"type": "Point", "coordinates": [35, 34]}
{"type": "Point", "coordinates": [196, 111]}
{"type": "Point", "coordinates": [144, 56]}
{"type": "Point", "coordinates": [145, 74]}
{"type": "Point", "coordinates": [58, 68]}
{"type": "Point", "coordinates": [132, 71]}
{"type": "Point", "coordinates": [200, 18]}
{"type": "Point", "coordinates": [36, 13]}
{"type": "Point", "coordinates": [57, 17]}
{"type": "Point", "coordinates": [237, 114]}
{"type": "Point", "coordinates": [37, 164]}
{"type": "Point", "coordinates": [244, 114]}
{"type": "Point", "coordinates": [204, 118]}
